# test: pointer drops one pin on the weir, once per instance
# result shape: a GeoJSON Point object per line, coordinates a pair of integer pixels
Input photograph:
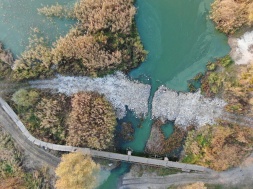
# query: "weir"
{"type": "Point", "coordinates": [101, 154]}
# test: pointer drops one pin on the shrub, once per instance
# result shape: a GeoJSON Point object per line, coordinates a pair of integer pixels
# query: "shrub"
{"type": "Point", "coordinates": [25, 98]}
{"type": "Point", "coordinates": [100, 41]}
{"type": "Point", "coordinates": [43, 114]}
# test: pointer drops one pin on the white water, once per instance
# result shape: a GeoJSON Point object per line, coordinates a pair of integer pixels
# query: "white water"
{"type": "Point", "coordinates": [242, 48]}
{"type": "Point", "coordinates": [183, 108]}
{"type": "Point", "coordinates": [117, 88]}
{"type": "Point", "coordinates": [186, 108]}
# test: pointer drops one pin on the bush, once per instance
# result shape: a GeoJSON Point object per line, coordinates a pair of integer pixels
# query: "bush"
{"type": "Point", "coordinates": [43, 114]}
{"type": "Point", "coordinates": [25, 98]}
{"type": "Point", "coordinates": [99, 43]}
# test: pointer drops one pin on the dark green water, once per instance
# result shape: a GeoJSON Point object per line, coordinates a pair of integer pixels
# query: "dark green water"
{"type": "Point", "coordinates": [179, 37]}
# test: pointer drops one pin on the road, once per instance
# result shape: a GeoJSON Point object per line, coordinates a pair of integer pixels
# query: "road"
{"type": "Point", "coordinates": [29, 148]}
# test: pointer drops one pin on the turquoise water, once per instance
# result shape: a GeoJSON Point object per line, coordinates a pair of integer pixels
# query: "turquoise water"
{"type": "Point", "coordinates": [167, 129]}
{"type": "Point", "coordinates": [179, 37]}
{"type": "Point", "coordinates": [18, 17]}
{"type": "Point", "coordinates": [180, 40]}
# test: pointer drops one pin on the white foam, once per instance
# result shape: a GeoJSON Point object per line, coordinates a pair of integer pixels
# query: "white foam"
{"type": "Point", "coordinates": [117, 88]}
{"type": "Point", "coordinates": [186, 108]}
{"type": "Point", "coordinates": [242, 48]}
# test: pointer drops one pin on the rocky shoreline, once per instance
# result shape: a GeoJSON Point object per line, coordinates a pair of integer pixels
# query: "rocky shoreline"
{"type": "Point", "coordinates": [183, 108]}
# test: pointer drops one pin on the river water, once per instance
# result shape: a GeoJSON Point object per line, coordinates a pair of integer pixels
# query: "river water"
{"type": "Point", "coordinates": [177, 33]}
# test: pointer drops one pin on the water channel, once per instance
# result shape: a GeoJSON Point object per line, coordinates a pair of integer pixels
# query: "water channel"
{"type": "Point", "coordinates": [177, 33]}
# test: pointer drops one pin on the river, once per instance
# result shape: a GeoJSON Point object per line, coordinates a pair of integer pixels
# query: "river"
{"type": "Point", "coordinates": [177, 33]}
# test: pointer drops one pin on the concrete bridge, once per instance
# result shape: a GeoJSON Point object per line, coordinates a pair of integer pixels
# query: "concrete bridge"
{"type": "Point", "coordinates": [101, 154]}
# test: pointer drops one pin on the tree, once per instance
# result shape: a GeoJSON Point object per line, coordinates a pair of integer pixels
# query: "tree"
{"type": "Point", "coordinates": [91, 121]}
{"type": "Point", "coordinates": [25, 98]}
{"type": "Point", "coordinates": [76, 171]}
{"type": "Point", "coordinates": [220, 146]}
{"type": "Point", "coordinates": [230, 15]}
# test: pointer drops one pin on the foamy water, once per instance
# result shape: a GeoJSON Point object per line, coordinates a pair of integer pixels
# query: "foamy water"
{"type": "Point", "coordinates": [117, 88]}
{"type": "Point", "coordinates": [186, 108]}
{"type": "Point", "coordinates": [242, 48]}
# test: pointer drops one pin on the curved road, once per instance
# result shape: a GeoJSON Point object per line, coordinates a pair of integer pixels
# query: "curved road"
{"type": "Point", "coordinates": [29, 148]}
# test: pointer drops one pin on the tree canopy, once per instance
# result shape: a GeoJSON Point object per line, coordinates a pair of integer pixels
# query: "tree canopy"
{"type": "Point", "coordinates": [76, 171]}
{"type": "Point", "coordinates": [91, 121]}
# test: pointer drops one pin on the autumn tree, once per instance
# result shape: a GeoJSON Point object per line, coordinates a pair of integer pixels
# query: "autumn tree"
{"type": "Point", "coordinates": [230, 15]}
{"type": "Point", "coordinates": [220, 146]}
{"type": "Point", "coordinates": [51, 113]}
{"type": "Point", "coordinates": [35, 61]}
{"type": "Point", "coordinates": [76, 171]}
{"type": "Point", "coordinates": [43, 113]}
{"type": "Point", "coordinates": [6, 61]}
{"type": "Point", "coordinates": [91, 122]}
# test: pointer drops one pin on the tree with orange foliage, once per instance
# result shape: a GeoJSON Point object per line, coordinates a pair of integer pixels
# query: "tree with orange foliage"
{"type": "Point", "coordinates": [219, 146]}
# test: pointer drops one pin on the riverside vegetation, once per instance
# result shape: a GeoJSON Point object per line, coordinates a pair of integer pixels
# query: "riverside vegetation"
{"type": "Point", "coordinates": [98, 44]}
{"type": "Point", "coordinates": [220, 146]}
{"type": "Point", "coordinates": [85, 119]}
{"type": "Point", "coordinates": [76, 171]}
{"type": "Point", "coordinates": [231, 15]}
{"type": "Point", "coordinates": [159, 145]}
{"type": "Point", "coordinates": [225, 145]}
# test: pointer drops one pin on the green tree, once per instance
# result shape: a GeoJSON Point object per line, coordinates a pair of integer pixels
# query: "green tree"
{"type": "Point", "coordinates": [25, 98]}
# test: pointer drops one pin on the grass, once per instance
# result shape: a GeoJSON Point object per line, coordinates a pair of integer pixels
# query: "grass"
{"type": "Point", "coordinates": [12, 170]}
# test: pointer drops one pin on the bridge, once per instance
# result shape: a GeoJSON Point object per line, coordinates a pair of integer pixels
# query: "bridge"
{"type": "Point", "coordinates": [100, 154]}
